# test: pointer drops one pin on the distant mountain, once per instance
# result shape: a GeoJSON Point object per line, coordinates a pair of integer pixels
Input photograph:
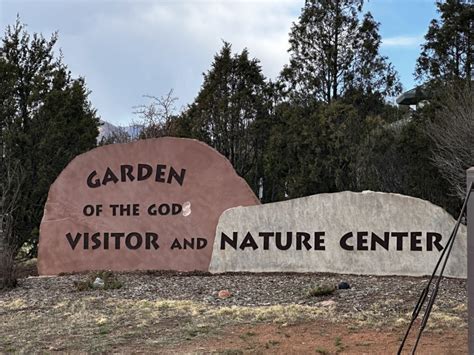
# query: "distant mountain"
{"type": "Point", "coordinates": [106, 129]}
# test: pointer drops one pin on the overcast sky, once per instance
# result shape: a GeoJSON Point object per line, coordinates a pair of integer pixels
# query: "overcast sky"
{"type": "Point", "coordinates": [126, 49]}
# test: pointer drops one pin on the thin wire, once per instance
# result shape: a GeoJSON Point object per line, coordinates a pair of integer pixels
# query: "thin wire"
{"type": "Point", "coordinates": [438, 281]}
{"type": "Point", "coordinates": [424, 293]}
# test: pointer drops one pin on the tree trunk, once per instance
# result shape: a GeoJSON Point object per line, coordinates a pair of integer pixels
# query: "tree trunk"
{"type": "Point", "coordinates": [7, 260]}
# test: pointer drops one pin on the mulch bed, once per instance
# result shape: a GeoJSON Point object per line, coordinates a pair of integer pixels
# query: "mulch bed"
{"type": "Point", "coordinates": [386, 296]}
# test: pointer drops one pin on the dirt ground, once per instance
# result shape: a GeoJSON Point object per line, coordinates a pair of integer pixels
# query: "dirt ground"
{"type": "Point", "coordinates": [322, 337]}
{"type": "Point", "coordinates": [163, 312]}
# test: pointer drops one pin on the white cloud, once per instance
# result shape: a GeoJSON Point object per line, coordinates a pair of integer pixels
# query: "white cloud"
{"type": "Point", "coordinates": [127, 49]}
{"type": "Point", "coordinates": [403, 41]}
{"type": "Point", "coordinates": [260, 26]}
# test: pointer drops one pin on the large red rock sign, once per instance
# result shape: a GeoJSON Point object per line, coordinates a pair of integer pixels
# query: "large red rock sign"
{"type": "Point", "coordinates": [147, 205]}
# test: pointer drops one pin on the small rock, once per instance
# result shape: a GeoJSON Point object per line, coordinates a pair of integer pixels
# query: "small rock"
{"type": "Point", "coordinates": [343, 285]}
{"type": "Point", "coordinates": [98, 283]}
{"type": "Point", "coordinates": [224, 294]}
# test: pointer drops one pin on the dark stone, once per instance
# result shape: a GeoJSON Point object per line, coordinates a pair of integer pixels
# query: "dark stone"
{"type": "Point", "coordinates": [343, 285]}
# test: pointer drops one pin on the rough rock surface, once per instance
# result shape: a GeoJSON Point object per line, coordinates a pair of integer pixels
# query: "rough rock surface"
{"type": "Point", "coordinates": [335, 215]}
{"type": "Point", "coordinates": [208, 187]}
{"type": "Point", "coordinates": [224, 294]}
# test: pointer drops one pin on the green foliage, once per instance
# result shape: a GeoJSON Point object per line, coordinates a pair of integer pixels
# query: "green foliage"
{"type": "Point", "coordinates": [334, 50]}
{"type": "Point", "coordinates": [325, 125]}
{"type": "Point", "coordinates": [231, 111]}
{"type": "Point", "coordinates": [320, 290]}
{"type": "Point", "coordinates": [447, 52]}
{"type": "Point", "coordinates": [398, 157]}
{"type": "Point", "coordinates": [46, 120]}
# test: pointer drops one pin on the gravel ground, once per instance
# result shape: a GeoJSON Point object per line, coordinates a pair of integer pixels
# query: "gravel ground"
{"type": "Point", "coordinates": [391, 297]}
{"type": "Point", "coordinates": [169, 311]}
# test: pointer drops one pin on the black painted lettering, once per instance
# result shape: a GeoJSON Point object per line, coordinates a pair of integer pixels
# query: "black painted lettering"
{"type": "Point", "coordinates": [266, 239]}
{"type": "Point", "coordinates": [160, 173]}
{"type": "Point", "coordinates": [362, 241]}
{"type": "Point", "coordinates": [88, 210]}
{"type": "Point", "coordinates": [93, 183]}
{"type": "Point", "coordinates": [73, 241]}
{"type": "Point", "coordinates": [302, 238]}
{"type": "Point", "coordinates": [138, 241]}
{"type": "Point", "coordinates": [201, 243]}
{"type": "Point", "coordinates": [126, 172]}
{"type": "Point", "coordinates": [376, 240]}
{"type": "Point", "coordinates": [278, 241]}
{"type": "Point", "coordinates": [178, 177]}
{"type": "Point", "coordinates": [96, 241]}
{"type": "Point", "coordinates": [433, 239]}
{"type": "Point", "coordinates": [152, 210]}
{"type": "Point", "coordinates": [343, 241]}
{"type": "Point", "coordinates": [225, 239]}
{"type": "Point", "coordinates": [415, 241]}
{"type": "Point", "coordinates": [114, 209]}
{"type": "Point", "coordinates": [399, 236]}
{"type": "Point", "coordinates": [144, 172]}
{"type": "Point", "coordinates": [117, 237]}
{"type": "Point", "coordinates": [106, 241]}
{"type": "Point", "coordinates": [85, 239]}
{"type": "Point", "coordinates": [151, 239]}
{"type": "Point", "coordinates": [164, 209]}
{"type": "Point", "coordinates": [109, 177]}
{"type": "Point", "coordinates": [135, 209]}
{"type": "Point", "coordinates": [319, 241]}
{"type": "Point", "coordinates": [248, 242]}
{"type": "Point", "coordinates": [176, 244]}
{"type": "Point", "coordinates": [189, 243]}
{"type": "Point", "coordinates": [176, 209]}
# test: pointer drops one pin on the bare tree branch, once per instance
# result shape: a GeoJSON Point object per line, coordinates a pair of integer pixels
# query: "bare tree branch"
{"type": "Point", "coordinates": [156, 116]}
{"type": "Point", "coordinates": [453, 133]}
{"type": "Point", "coordinates": [10, 185]}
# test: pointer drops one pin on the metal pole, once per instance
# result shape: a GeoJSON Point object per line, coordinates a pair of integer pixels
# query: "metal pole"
{"type": "Point", "coordinates": [470, 261]}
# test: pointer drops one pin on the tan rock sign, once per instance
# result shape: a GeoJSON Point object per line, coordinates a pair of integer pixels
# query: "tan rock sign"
{"type": "Point", "coordinates": [150, 204]}
{"type": "Point", "coordinates": [371, 233]}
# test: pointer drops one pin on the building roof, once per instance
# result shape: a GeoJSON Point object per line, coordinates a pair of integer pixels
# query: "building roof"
{"type": "Point", "coordinates": [412, 97]}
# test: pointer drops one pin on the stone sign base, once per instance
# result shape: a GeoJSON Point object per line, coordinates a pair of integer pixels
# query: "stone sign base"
{"type": "Point", "coordinates": [370, 233]}
{"type": "Point", "coordinates": [152, 204]}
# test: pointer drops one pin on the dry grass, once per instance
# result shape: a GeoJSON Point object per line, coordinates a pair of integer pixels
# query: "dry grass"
{"type": "Point", "coordinates": [48, 314]}
{"type": "Point", "coordinates": [95, 324]}
{"type": "Point", "coordinates": [98, 324]}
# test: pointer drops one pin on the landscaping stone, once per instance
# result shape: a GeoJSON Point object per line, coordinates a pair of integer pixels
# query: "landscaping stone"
{"type": "Point", "coordinates": [224, 294]}
{"type": "Point", "coordinates": [343, 285]}
{"type": "Point", "coordinates": [98, 283]}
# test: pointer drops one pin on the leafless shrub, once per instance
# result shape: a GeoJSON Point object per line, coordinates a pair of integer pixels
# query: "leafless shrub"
{"type": "Point", "coordinates": [118, 136]}
{"type": "Point", "coordinates": [156, 116]}
{"type": "Point", "coordinates": [452, 131]}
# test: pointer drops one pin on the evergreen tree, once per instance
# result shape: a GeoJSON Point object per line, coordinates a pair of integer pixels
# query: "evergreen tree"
{"type": "Point", "coordinates": [46, 120]}
{"type": "Point", "coordinates": [333, 52]}
{"type": "Point", "coordinates": [447, 53]}
{"type": "Point", "coordinates": [231, 111]}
